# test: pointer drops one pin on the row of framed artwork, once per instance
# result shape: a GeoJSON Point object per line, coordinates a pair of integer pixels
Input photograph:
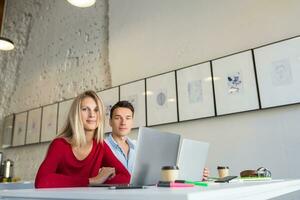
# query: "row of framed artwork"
{"type": "Point", "coordinates": [264, 77]}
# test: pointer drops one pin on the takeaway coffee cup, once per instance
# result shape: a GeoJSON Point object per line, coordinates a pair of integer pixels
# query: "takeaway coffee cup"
{"type": "Point", "coordinates": [169, 173]}
{"type": "Point", "coordinates": [223, 171]}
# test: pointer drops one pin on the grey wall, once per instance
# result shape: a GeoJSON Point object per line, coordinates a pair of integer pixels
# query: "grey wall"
{"type": "Point", "coordinates": [151, 37]}
{"type": "Point", "coordinates": [61, 50]}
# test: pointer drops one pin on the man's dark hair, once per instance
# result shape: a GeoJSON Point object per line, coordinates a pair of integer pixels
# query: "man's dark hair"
{"type": "Point", "coordinates": [122, 104]}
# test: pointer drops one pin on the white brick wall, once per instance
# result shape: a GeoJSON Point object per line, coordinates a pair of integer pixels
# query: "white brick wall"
{"type": "Point", "coordinates": [61, 50]}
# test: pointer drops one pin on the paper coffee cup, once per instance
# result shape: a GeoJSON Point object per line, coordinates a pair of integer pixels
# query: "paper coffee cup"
{"type": "Point", "coordinates": [223, 171]}
{"type": "Point", "coordinates": [169, 173]}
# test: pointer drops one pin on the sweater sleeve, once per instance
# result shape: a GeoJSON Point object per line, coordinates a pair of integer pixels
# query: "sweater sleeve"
{"type": "Point", "coordinates": [109, 160]}
{"type": "Point", "coordinates": [47, 176]}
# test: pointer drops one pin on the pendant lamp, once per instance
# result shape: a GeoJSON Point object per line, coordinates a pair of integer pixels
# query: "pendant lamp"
{"type": "Point", "coordinates": [6, 44]}
{"type": "Point", "coordinates": [82, 3]}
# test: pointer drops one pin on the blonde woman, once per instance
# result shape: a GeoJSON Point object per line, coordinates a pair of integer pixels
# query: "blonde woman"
{"type": "Point", "coordinates": [74, 157]}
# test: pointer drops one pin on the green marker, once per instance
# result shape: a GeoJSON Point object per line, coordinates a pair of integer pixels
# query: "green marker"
{"type": "Point", "coordinates": [198, 183]}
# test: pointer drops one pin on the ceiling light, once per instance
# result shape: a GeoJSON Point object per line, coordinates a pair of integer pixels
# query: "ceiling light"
{"type": "Point", "coordinates": [82, 3]}
{"type": "Point", "coordinates": [6, 44]}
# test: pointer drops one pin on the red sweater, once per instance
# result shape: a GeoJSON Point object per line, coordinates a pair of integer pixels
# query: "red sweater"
{"type": "Point", "coordinates": [61, 168]}
{"type": "Point", "coordinates": [110, 160]}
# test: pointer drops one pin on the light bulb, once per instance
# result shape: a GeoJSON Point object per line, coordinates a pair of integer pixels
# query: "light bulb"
{"type": "Point", "coordinates": [82, 3]}
{"type": "Point", "coordinates": [6, 44]}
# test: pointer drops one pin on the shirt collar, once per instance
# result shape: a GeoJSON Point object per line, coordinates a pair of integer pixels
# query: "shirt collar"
{"type": "Point", "coordinates": [115, 144]}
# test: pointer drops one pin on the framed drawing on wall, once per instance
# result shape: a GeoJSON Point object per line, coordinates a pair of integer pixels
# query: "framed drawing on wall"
{"type": "Point", "coordinates": [33, 126]}
{"type": "Point", "coordinates": [195, 92]}
{"type": "Point", "coordinates": [7, 131]}
{"type": "Point", "coordinates": [135, 93]}
{"type": "Point", "coordinates": [63, 111]}
{"type": "Point", "coordinates": [235, 83]}
{"type": "Point", "coordinates": [109, 98]}
{"type": "Point", "coordinates": [161, 99]}
{"type": "Point", "coordinates": [49, 122]}
{"type": "Point", "coordinates": [278, 73]}
{"type": "Point", "coordinates": [19, 129]}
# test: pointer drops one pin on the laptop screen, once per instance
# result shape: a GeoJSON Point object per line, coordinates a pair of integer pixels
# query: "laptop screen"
{"type": "Point", "coordinates": [192, 158]}
{"type": "Point", "coordinates": [154, 150]}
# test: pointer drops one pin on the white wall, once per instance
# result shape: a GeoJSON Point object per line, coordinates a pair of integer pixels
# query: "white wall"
{"type": "Point", "coordinates": [151, 37]}
{"type": "Point", "coordinates": [61, 50]}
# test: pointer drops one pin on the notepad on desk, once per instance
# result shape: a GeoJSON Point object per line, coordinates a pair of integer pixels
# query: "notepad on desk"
{"type": "Point", "coordinates": [256, 178]}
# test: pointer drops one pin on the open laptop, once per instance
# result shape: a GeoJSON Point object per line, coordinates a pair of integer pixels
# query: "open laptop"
{"type": "Point", "coordinates": [154, 150]}
{"type": "Point", "coordinates": [191, 159]}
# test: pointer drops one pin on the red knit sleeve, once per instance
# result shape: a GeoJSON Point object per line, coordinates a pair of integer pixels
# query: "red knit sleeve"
{"type": "Point", "coordinates": [47, 176]}
{"type": "Point", "coordinates": [110, 160]}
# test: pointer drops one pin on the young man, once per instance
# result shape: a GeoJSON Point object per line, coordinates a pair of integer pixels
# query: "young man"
{"type": "Point", "coordinates": [121, 121]}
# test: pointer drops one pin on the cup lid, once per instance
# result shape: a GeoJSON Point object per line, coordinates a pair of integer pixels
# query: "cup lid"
{"type": "Point", "coordinates": [169, 167]}
{"type": "Point", "coordinates": [223, 167]}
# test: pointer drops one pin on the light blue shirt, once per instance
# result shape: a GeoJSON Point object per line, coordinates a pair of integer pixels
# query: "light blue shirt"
{"type": "Point", "coordinates": [126, 160]}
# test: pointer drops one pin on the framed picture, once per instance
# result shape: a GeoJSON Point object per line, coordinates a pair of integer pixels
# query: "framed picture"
{"type": "Point", "coordinates": [135, 93]}
{"type": "Point", "coordinates": [195, 92]}
{"type": "Point", "coordinates": [109, 98]}
{"type": "Point", "coordinates": [63, 111]}
{"type": "Point", "coordinates": [235, 83]}
{"type": "Point", "coordinates": [278, 73]}
{"type": "Point", "coordinates": [49, 122]}
{"type": "Point", "coordinates": [161, 99]}
{"type": "Point", "coordinates": [33, 126]}
{"type": "Point", "coordinates": [19, 129]}
{"type": "Point", "coordinates": [7, 131]}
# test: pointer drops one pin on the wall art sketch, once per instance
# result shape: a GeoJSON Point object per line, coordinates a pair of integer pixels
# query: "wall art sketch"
{"type": "Point", "coordinates": [195, 92]}
{"type": "Point", "coordinates": [278, 73]}
{"type": "Point", "coordinates": [63, 111]}
{"type": "Point", "coordinates": [161, 99]}
{"type": "Point", "coordinates": [49, 122]}
{"type": "Point", "coordinates": [33, 126]}
{"type": "Point", "coordinates": [7, 131]}
{"type": "Point", "coordinates": [19, 129]}
{"type": "Point", "coordinates": [235, 83]}
{"type": "Point", "coordinates": [109, 98]}
{"type": "Point", "coordinates": [134, 92]}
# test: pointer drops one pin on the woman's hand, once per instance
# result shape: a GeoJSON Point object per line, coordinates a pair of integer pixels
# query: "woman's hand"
{"type": "Point", "coordinates": [205, 174]}
{"type": "Point", "coordinates": [104, 174]}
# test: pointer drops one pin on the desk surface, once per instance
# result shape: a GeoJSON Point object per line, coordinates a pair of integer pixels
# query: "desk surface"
{"type": "Point", "coordinates": [236, 190]}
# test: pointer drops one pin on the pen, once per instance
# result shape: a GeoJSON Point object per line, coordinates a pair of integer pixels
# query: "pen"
{"type": "Point", "coordinates": [198, 183]}
{"type": "Point", "coordinates": [126, 187]}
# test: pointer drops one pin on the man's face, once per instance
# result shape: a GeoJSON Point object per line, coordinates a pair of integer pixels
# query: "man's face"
{"type": "Point", "coordinates": [122, 121]}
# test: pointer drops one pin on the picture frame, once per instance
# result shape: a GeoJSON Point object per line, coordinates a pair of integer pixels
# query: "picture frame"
{"type": "Point", "coordinates": [109, 98]}
{"type": "Point", "coordinates": [49, 122]}
{"type": "Point", "coordinates": [235, 83]}
{"type": "Point", "coordinates": [63, 111]}
{"type": "Point", "coordinates": [161, 99]}
{"type": "Point", "coordinates": [134, 92]}
{"type": "Point", "coordinates": [195, 92]}
{"type": "Point", "coordinates": [33, 132]}
{"type": "Point", "coordinates": [278, 73]}
{"type": "Point", "coordinates": [19, 131]}
{"type": "Point", "coordinates": [8, 131]}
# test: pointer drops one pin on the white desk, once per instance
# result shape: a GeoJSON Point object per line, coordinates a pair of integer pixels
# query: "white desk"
{"type": "Point", "coordinates": [238, 190]}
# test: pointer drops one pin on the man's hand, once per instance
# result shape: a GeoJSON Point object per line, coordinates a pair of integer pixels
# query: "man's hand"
{"type": "Point", "coordinates": [205, 174]}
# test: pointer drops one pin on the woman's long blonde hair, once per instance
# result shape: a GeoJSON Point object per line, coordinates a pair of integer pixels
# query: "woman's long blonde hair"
{"type": "Point", "coordinates": [73, 129]}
